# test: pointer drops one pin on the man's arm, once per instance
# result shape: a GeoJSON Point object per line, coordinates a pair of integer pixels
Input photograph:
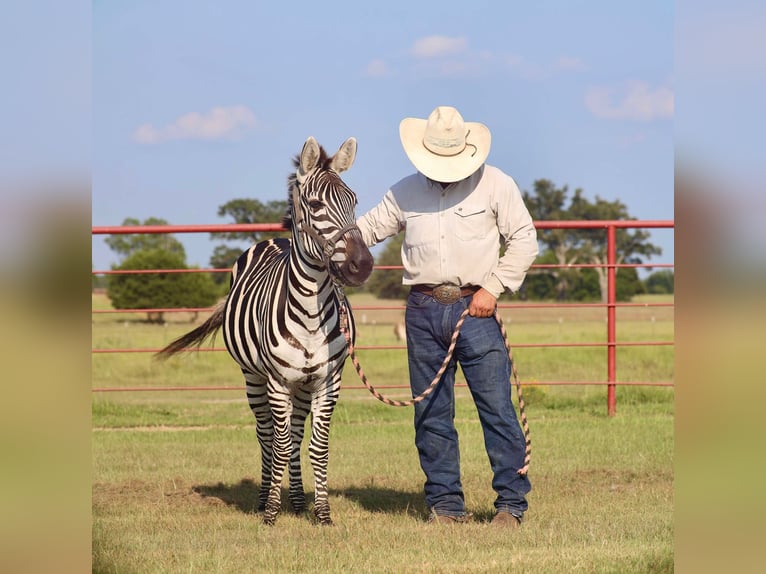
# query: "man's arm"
{"type": "Point", "coordinates": [520, 236]}
{"type": "Point", "coordinates": [381, 222]}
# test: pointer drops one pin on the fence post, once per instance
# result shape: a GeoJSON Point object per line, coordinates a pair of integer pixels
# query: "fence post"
{"type": "Point", "coordinates": [611, 320]}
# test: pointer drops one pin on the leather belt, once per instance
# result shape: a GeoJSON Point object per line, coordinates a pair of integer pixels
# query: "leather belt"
{"type": "Point", "coordinates": [446, 294]}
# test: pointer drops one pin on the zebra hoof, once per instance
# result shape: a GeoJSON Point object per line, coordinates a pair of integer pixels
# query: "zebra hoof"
{"type": "Point", "coordinates": [270, 514]}
{"type": "Point", "coordinates": [323, 516]}
{"type": "Point", "coordinates": [298, 504]}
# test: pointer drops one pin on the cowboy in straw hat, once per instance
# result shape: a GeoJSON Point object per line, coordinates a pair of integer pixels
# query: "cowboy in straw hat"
{"type": "Point", "coordinates": [454, 212]}
{"type": "Point", "coordinates": [444, 148]}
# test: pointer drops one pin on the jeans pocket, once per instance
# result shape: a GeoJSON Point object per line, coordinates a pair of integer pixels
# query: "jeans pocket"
{"type": "Point", "coordinates": [417, 300]}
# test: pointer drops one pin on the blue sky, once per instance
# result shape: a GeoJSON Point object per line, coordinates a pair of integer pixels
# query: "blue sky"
{"type": "Point", "coordinates": [196, 103]}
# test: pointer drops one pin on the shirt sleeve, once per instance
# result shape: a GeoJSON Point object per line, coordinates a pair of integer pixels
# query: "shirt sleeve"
{"type": "Point", "coordinates": [382, 221]}
{"type": "Point", "coordinates": [519, 235]}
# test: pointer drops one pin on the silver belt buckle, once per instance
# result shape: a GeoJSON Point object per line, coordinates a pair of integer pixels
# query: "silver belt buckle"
{"type": "Point", "coordinates": [447, 294]}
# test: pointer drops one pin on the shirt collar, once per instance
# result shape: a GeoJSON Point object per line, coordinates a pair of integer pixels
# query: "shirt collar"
{"type": "Point", "coordinates": [474, 177]}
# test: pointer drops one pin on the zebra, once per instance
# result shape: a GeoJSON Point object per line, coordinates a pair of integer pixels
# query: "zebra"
{"type": "Point", "coordinates": [281, 323]}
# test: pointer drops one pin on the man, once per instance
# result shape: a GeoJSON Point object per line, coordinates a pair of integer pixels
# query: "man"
{"type": "Point", "coordinates": [454, 212]}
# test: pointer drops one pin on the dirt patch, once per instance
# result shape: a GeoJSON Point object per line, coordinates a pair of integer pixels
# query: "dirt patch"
{"type": "Point", "coordinates": [616, 480]}
{"type": "Point", "coordinates": [169, 428]}
{"type": "Point", "coordinates": [173, 492]}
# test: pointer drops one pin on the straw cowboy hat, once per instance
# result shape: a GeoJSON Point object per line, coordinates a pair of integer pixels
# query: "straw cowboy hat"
{"type": "Point", "coordinates": [444, 147]}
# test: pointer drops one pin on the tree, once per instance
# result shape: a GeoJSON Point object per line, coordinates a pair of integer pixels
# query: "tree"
{"type": "Point", "coordinates": [252, 211]}
{"type": "Point", "coordinates": [223, 257]}
{"type": "Point", "coordinates": [245, 211]}
{"type": "Point", "coordinates": [628, 284]}
{"type": "Point", "coordinates": [632, 244]}
{"type": "Point", "coordinates": [548, 204]}
{"type": "Point", "coordinates": [126, 245]}
{"type": "Point", "coordinates": [583, 286]}
{"type": "Point", "coordinates": [588, 246]}
{"type": "Point", "coordinates": [159, 290]}
{"type": "Point", "coordinates": [542, 284]}
{"type": "Point", "coordinates": [661, 282]}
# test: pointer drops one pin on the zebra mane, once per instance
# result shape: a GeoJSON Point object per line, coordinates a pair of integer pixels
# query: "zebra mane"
{"type": "Point", "coordinates": [292, 182]}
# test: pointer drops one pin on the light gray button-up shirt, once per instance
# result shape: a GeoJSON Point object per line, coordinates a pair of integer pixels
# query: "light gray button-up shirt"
{"type": "Point", "coordinates": [453, 235]}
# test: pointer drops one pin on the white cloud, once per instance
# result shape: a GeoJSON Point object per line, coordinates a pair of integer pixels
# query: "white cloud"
{"type": "Point", "coordinates": [570, 63]}
{"type": "Point", "coordinates": [435, 46]}
{"type": "Point", "coordinates": [220, 123]}
{"type": "Point", "coordinates": [377, 69]}
{"type": "Point", "coordinates": [633, 101]}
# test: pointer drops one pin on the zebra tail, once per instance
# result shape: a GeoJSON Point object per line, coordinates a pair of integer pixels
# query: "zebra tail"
{"type": "Point", "coordinates": [195, 337]}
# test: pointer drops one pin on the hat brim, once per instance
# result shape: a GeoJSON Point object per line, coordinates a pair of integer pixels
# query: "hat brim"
{"type": "Point", "coordinates": [447, 169]}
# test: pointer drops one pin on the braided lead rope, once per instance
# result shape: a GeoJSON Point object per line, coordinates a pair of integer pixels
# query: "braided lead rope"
{"type": "Point", "coordinates": [427, 391]}
{"type": "Point", "coordinates": [522, 411]}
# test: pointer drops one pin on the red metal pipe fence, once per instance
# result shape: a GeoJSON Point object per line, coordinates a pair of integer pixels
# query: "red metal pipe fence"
{"type": "Point", "coordinates": [609, 226]}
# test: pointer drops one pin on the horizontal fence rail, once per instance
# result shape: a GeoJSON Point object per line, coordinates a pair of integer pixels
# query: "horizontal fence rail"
{"type": "Point", "coordinates": [611, 343]}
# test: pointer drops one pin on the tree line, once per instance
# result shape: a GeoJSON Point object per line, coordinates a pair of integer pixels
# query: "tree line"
{"type": "Point", "coordinates": [564, 247]}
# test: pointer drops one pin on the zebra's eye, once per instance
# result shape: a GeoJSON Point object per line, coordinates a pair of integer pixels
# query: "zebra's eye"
{"type": "Point", "coordinates": [315, 205]}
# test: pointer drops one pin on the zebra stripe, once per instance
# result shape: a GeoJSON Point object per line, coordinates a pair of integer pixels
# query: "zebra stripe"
{"type": "Point", "coordinates": [281, 324]}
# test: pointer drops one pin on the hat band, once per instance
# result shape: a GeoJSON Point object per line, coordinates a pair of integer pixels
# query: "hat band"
{"type": "Point", "coordinates": [444, 146]}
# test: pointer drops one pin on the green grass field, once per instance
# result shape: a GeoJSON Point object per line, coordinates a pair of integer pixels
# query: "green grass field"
{"type": "Point", "coordinates": [175, 474]}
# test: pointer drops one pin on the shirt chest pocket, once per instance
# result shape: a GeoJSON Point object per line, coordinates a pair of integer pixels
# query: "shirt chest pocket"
{"type": "Point", "coordinates": [421, 229]}
{"type": "Point", "coordinates": [472, 222]}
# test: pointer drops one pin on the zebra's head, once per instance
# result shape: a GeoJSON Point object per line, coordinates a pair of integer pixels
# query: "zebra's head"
{"type": "Point", "coordinates": [321, 213]}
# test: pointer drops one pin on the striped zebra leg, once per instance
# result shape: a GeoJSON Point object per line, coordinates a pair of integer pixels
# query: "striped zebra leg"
{"type": "Point", "coordinates": [297, 425]}
{"type": "Point", "coordinates": [265, 440]}
{"type": "Point", "coordinates": [319, 451]}
{"type": "Point", "coordinates": [259, 404]}
{"type": "Point", "coordinates": [281, 410]}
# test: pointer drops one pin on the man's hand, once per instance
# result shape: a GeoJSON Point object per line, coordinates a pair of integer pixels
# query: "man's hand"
{"type": "Point", "coordinates": [483, 304]}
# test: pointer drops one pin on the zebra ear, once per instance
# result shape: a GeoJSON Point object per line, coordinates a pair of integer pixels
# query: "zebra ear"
{"type": "Point", "coordinates": [309, 156]}
{"type": "Point", "coordinates": [344, 158]}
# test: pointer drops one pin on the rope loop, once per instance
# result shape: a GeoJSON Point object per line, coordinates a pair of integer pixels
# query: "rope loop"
{"type": "Point", "coordinates": [394, 403]}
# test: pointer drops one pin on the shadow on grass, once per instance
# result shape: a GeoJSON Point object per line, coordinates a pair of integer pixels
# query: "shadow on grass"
{"type": "Point", "coordinates": [244, 496]}
{"type": "Point", "coordinates": [378, 499]}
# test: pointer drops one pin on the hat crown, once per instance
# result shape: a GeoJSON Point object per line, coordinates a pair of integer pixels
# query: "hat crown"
{"type": "Point", "coordinates": [445, 132]}
{"type": "Point", "coordinates": [444, 147]}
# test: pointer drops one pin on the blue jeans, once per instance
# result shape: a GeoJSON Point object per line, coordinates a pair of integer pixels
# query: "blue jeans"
{"type": "Point", "coordinates": [484, 360]}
